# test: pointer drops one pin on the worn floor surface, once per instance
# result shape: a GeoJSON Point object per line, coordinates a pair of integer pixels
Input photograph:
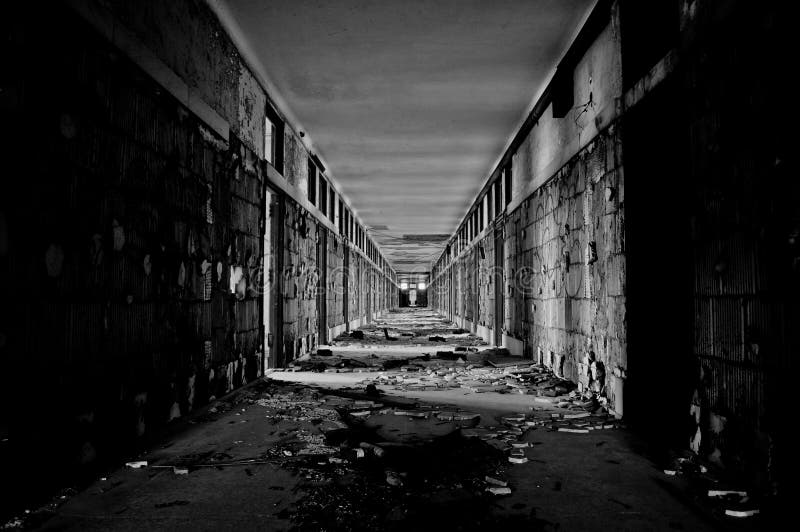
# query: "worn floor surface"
{"type": "Point", "coordinates": [323, 450]}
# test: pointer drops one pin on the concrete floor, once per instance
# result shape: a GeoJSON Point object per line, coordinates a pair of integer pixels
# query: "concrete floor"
{"type": "Point", "coordinates": [286, 453]}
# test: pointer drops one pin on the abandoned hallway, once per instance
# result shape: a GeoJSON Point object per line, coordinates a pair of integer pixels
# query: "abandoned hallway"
{"type": "Point", "coordinates": [377, 264]}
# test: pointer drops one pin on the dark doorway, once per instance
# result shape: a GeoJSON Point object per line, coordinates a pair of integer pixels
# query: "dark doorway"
{"type": "Point", "coordinates": [499, 292]}
{"type": "Point", "coordinates": [659, 265]}
{"type": "Point", "coordinates": [278, 351]}
{"type": "Point", "coordinates": [413, 297]}
{"type": "Point", "coordinates": [322, 285]}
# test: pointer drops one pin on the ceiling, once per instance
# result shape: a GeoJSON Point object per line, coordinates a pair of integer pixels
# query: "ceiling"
{"type": "Point", "coordinates": [410, 103]}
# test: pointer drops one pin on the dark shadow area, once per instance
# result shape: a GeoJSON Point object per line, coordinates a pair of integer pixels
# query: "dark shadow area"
{"type": "Point", "coordinates": [661, 369]}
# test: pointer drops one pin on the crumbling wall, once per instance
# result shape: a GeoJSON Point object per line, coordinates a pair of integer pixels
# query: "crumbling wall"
{"type": "Point", "coordinates": [136, 246]}
{"type": "Point", "coordinates": [486, 290]}
{"type": "Point", "coordinates": [300, 278]}
{"type": "Point", "coordinates": [335, 280]}
{"type": "Point", "coordinates": [469, 287]}
{"type": "Point", "coordinates": [187, 37]}
{"type": "Point", "coordinates": [571, 238]}
{"type": "Point", "coordinates": [745, 236]}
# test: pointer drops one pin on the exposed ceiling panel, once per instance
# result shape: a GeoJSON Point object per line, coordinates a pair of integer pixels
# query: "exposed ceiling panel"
{"type": "Point", "coordinates": [410, 102]}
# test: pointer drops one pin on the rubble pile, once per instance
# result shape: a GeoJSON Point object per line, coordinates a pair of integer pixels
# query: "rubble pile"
{"type": "Point", "coordinates": [404, 327]}
{"type": "Point", "coordinates": [727, 499]}
{"type": "Point", "coordinates": [370, 462]}
{"type": "Point", "coordinates": [523, 378]}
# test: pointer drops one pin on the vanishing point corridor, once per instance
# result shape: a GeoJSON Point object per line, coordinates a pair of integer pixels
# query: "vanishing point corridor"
{"type": "Point", "coordinates": [366, 265]}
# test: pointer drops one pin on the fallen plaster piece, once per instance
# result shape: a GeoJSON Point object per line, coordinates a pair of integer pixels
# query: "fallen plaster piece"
{"type": "Point", "coordinates": [136, 464]}
{"type": "Point", "coordinates": [742, 513]}
{"type": "Point", "coordinates": [725, 493]}
{"type": "Point", "coordinates": [499, 491]}
{"type": "Point", "coordinates": [180, 470]}
{"type": "Point", "coordinates": [517, 459]}
{"type": "Point", "coordinates": [496, 482]}
{"type": "Point", "coordinates": [573, 431]}
{"type": "Point", "coordinates": [577, 416]}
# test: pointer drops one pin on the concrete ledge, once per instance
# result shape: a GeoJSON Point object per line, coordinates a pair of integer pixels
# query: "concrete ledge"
{"type": "Point", "coordinates": [126, 42]}
{"type": "Point", "coordinates": [333, 332]}
{"type": "Point", "coordinates": [660, 72]}
{"type": "Point", "coordinates": [513, 345]}
{"type": "Point", "coordinates": [486, 334]}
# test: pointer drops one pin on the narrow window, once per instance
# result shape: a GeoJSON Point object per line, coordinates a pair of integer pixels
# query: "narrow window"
{"type": "Point", "coordinates": [489, 204]}
{"type": "Point", "coordinates": [341, 217]}
{"type": "Point", "coordinates": [332, 205]}
{"type": "Point", "coordinates": [352, 228]}
{"type": "Point", "coordinates": [323, 195]}
{"type": "Point", "coordinates": [269, 140]}
{"type": "Point", "coordinates": [480, 215]}
{"type": "Point", "coordinates": [312, 182]}
{"type": "Point", "coordinates": [273, 139]}
{"type": "Point", "coordinates": [498, 197]}
{"type": "Point", "coordinates": [508, 183]}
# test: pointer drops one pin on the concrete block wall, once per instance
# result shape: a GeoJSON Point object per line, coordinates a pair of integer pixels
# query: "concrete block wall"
{"type": "Point", "coordinates": [134, 220]}
{"type": "Point", "coordinates": [141, 227]}
{"type": "Point", "coordinates": [486, 290]}
{"type": "Point", "coordinates": [336, 280]}
{"type": "Point", "coordinates": [301, 276]}
{"type": "Point", "coordinates": [744, 226]}
{"type": "Point", "coordinates": [570, 268]}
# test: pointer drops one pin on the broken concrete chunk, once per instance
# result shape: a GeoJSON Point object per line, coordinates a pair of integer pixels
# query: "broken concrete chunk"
{"type": "Point", "coordinates": [499, 491]}
{"type": "Point", "coordinates": [136, 464]}
{"type": "Point", "coordinates": [726, 493]}
{"type": "Point", "coordinates": [410, 413]}
{"type": "Point", "coordinates": [573, 431]}
{"type": "Point", "coordinates": [742, 513]}
{"type": "Point", "coordinates": [180, 470]}
{"type": "Point", "coordinates": [517, 459]}
{"type": "Point", "coordinates": [393, 479]}
{"type": "Point", "coordinates": [377, 451]}
{"type": "Point", "coordinates": [577, 416]}
{"type": "Point", "coordinates": [495, 481]}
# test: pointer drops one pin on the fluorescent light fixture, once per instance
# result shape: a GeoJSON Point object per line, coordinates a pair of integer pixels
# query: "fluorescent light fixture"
{"type": "Point", "coordinates": [403, 286]}
{"type": "Point", "coordinates": [420, 286]}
